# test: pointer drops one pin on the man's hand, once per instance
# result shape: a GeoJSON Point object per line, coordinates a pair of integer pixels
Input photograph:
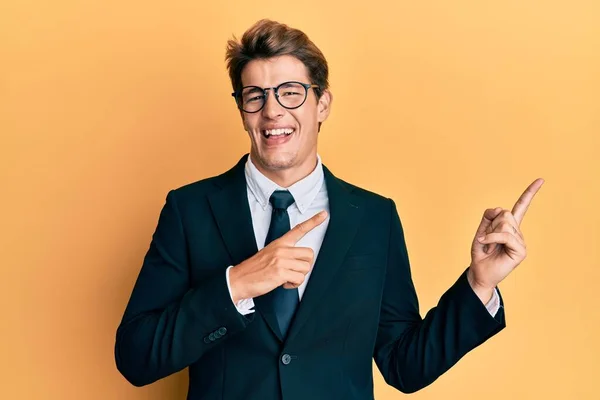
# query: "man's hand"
{"type": "Point", "coordinates": [502, 247]}
{"type": "Point", "coordinates": [278, 263]}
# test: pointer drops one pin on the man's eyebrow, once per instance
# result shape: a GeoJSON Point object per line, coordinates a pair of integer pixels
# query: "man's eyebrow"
{"type": "Point", "coordinates": [252, 90]}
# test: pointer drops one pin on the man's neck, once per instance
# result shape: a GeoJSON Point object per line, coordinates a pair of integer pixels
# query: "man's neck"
{"type": "Point", "coordinates": [287, 177]}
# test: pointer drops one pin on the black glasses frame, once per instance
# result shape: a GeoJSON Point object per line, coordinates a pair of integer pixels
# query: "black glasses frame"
{"type": "Point", "coordinates": [237, 95]}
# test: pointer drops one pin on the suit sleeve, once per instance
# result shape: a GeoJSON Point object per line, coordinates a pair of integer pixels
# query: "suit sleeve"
{"type": "Point", "coordinates": [411, 352]}
{"type": "Point", "coordinates": [168, 325]}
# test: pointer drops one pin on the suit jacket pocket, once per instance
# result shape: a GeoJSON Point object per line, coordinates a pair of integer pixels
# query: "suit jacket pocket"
{"type": "Point", "coordinates": [358, 262]}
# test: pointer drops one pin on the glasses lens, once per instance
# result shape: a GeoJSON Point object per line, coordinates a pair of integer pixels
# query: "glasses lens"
{"type": "Point", "coordinates": [291, 94]}
{"type": "Point", "coordinates": [252, 98]}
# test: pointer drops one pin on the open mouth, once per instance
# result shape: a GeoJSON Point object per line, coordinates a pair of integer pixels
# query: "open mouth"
{"type": "Point", "coordinates": [273, 138]}
{"type": "Point", "coordinates": [277, 133]}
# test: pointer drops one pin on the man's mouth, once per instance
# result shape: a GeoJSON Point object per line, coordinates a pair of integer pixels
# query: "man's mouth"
{"type": "Point", "coordinates": [280, 132]}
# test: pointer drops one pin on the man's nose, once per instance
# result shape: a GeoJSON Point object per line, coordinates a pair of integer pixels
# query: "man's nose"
{"type": "Point", "coordinates": [272, 108]}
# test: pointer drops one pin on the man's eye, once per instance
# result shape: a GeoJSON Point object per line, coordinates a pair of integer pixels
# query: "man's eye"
{"type": "Point", "coordinates": [254, 99]}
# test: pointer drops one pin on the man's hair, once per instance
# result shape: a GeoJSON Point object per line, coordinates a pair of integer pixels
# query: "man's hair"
{"type": "Point", "coordinates": [266, 39]}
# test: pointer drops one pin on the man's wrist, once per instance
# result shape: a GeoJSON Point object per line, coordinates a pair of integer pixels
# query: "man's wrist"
{"type": "Point", "coordinates": [236, 296]}
{"type": "Point", "coordinates": [484, 293]}
{"type": "Point", "coordinates": [243, 305]}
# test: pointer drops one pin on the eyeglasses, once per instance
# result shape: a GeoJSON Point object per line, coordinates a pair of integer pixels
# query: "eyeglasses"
{"type": "Point", "coordinates": [290, 95]}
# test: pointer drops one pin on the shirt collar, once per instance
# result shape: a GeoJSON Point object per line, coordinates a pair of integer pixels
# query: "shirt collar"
{"type": "Point", "coordinates": [304, 191]}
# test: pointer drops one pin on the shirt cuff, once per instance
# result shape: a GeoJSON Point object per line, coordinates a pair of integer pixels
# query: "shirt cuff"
{"type": "Point", "coordinates": [244, 306]}
{"type": "Point", "coordinates": [494, 304]}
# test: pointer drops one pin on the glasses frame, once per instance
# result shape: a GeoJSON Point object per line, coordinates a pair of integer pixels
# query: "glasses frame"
{"type": "Point", "coordinates": [237, 95]}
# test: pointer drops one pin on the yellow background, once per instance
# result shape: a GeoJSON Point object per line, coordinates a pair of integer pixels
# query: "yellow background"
{"type": "Point", "coordinates": [447, 107]}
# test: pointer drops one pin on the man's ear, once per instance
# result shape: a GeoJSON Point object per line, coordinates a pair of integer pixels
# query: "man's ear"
{"type": "Point", "coordinates": [324, 106]}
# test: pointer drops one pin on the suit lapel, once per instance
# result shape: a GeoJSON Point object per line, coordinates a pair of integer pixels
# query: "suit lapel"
{"type": "Point", "coordinates": [232, 214]}
{"type": "Point", "coordinates": [346, 212]}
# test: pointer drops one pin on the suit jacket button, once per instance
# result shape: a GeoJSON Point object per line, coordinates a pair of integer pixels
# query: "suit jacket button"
{"type": "Point", "coordinates": [217, 335]}
{"type": "Point", "coordinates": [211, 337]}
{"type": "Point", "coordinates": [286, 359]}
{"type": "Point", "coordinates": [222, 331]}
{"type": "Point", "coordinates": [206, 340]}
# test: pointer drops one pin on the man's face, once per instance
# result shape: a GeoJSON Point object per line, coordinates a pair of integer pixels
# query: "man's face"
{"type": "Point", "coordinates": [270, 149]}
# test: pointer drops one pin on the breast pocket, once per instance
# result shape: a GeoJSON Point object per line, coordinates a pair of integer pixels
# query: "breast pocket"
{"type": "Point", "coordinates": [360, 262]}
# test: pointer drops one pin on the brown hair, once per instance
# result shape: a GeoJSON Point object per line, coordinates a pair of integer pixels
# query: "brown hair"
{"type": "Point", "coordinates": [267, 38]}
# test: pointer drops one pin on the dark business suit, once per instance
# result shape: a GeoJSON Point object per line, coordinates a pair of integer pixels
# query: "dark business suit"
{"type": "Point", "coordinates": [359, 304]}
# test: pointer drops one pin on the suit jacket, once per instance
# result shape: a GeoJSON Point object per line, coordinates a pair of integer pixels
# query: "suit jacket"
{"type": "Point", "coordinates": [360, 304]}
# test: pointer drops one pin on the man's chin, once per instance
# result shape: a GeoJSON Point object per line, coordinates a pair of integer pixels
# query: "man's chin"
{"type": "Point", "coordinates": [277, 162]}
{"type": "Point", "coordinates": [278, 165]}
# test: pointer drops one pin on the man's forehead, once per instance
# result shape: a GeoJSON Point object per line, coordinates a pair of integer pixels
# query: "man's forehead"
{"type": "Point", "coordinates": [273, 71]}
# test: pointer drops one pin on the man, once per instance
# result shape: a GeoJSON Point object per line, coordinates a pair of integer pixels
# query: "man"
{"type": "Point", "coordinates": [277, 280]}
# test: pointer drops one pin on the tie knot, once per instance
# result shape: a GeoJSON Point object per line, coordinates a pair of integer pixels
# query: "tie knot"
{"type": "Point", "coordinates": [281, 199]}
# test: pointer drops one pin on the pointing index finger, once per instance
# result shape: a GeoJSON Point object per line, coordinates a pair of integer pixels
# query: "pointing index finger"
{"type": "Point", "coordinates": [522, 204]}
{"type": "Point", "coordinates": [298, 232]}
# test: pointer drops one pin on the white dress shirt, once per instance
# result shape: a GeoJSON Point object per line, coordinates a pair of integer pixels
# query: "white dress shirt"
{"type": "Point", "coordinates": [310, 196]}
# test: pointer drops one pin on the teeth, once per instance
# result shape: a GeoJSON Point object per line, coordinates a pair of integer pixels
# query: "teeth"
{"type": "Point", "coordinates": [277, 132]}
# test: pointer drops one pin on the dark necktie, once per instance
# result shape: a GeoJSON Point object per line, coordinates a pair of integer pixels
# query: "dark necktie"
{"type": "Point", "coordinates": [285, 301]}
